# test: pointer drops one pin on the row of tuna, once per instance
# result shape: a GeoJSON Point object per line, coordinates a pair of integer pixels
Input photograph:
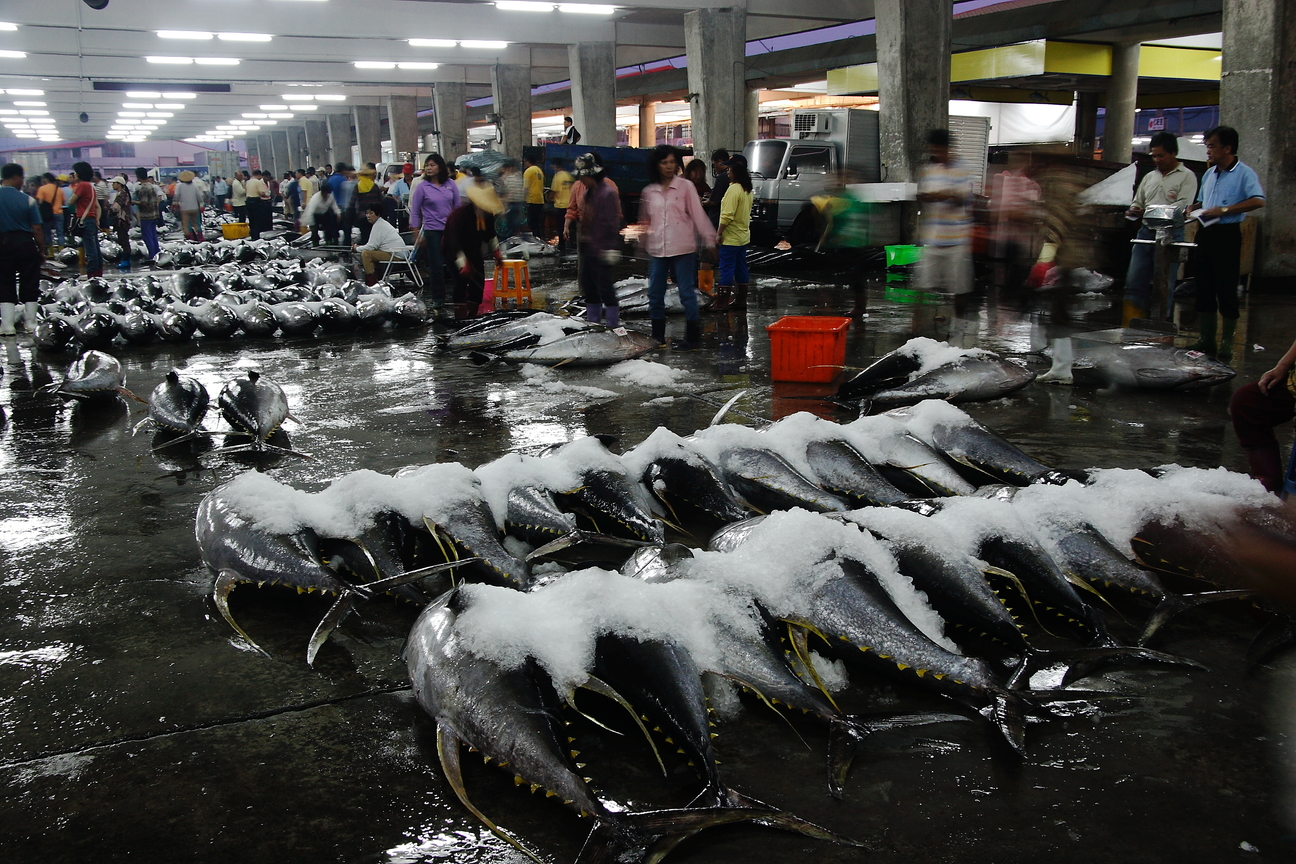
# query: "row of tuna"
{"type": "Point", "coordinates": [923, 368]}
{"type": "Point", "coordinates": [277, 298]}
{"type": "Point", "coordinates": [916, 544]}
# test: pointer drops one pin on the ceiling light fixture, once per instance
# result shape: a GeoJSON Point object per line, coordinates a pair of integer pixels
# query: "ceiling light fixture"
{"type": "Point", "coordinates": [174, 94]}
{"type": "Point", "coordinates": [183, 34]}
{"type": "Point", "coordinates": [303, 107]}
{"type": "Point", "coordinates": [138, 106]}
{"type": "Point", "coordinates": [5, 25]}
{"type": "Point", "coordinates": [280, 116]}
{"type": "Point", "coordinates": [13, 92]}
{"type": "Point", "coordinates": [432, 43]}
{"type": "Point", "coordinates": [329, 97]}
{"type": "Point", "coordinates": [255, 115]}
{"type": "Point", "coordinates": [374, 64]}
{"type": "Point", "coordinates": [143, 94]}
{"type": "Point", "coordinates": [273, 107]}
{"type": "Point", "coordinates": [30, 104]}
{"type": "Point", "coordinates": [130, 113]}
{"type": "Point", "coordinates": [244, 37]}
{"type": "Point", "coordinates": [13, 55]}
{"type": "Point", "coordinates": [34, 112]}
{"type": "Point", "coordinates": [290, 97]}
{"type": "Point", "coordinates": [586, 8]}
{"type": "Point", "coordinates": [170, 106]}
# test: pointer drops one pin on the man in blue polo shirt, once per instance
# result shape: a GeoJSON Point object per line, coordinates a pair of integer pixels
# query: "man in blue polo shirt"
{"type": "Point", "coordinates": [21, 241]}
{"type": "Point", "coordinates": [1229, 189]}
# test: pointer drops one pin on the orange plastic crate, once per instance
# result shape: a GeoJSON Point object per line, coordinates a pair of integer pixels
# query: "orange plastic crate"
{"type": "Point", "coordinates": [807, 347]}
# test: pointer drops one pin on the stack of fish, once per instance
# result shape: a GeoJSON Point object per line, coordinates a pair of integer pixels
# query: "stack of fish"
{"type": "Point", "coordinates": [917, 545]}
{"type": "Point", "coordinates": [275, 297]}
{"type": "Point", "coordinates": [532, 336]}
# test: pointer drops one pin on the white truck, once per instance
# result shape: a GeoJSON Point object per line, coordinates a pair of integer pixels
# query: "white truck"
{"type": "Point", "coordinates": [829, 149]}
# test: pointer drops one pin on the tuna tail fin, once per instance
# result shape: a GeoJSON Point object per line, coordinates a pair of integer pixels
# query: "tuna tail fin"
{"type": "Point", "coordinates": [1172, 604]}
{"type": "Point", "coordinates": [448, 750]}
{"type": "Point", "coordinates": [650, 836]}
{"type": "Point", "coordinates": [1274, 636]}
{"type": "Point", "coordinates": [342, 607]}
{"type": "Point", "coordinates": [847, 733]}
{"type": "Point", "coordinates": [1007, 710]}
{"type": "Point", "coordinates": [225, 582]}
{"type": "Point", "coordinates": [1082, 662]}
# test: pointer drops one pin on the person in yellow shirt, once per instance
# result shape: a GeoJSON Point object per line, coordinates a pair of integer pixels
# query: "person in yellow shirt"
{"type": "Point", "coordinates": [734, 235]}
{"type": "Point", "coordinates": [50, 198]}
{"type": "Point", "coordinates": [533, 186]}
{"type": "Point", "coordinates": [560, 199]}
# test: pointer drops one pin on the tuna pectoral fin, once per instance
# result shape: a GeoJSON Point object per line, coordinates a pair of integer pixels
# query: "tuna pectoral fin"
{"type": "Point", "coordinates": [647, 838]}
{"type": "Point", "coordinates": [724, 409]}
{"type": "Point", "coordinates": [1172, 604]}
{"type": "Point", "coordinates": [183, 439]}
{"type": "Point", "coordinates": [260, 448]}
{"type": "Point", "coordinates": [448, 750]}
{"type": "Point", "coordinates": [766, 814]}
{"type": "Point", "coordinates": [575, 538]}
{"type": "Point", "coordinates": [847, 733]}
{"type": "Point", "coordinates": [225, 582]}
{"type": "Point", "coordinates": [337, 612]}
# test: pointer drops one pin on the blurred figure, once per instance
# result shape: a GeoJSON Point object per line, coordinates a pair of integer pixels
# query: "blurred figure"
{"type": "Point", "coordinates": [533, 183]}
{"type": "Point", "coordinates": [600, 242]}
{"type": "Point", "coordinates": [1256, 409]}
{"type": "Point", "coordinates": [512, 193]}
{"type": "Point", "coordinates": [720, 167]}
{"type": "Point", "coordinates": [50, 199]}
{"type": "Point", "coordinates": [468, 239]}
{"type": "Point", "coordinates": [1171, 183]}
{"type": "Point", "coordinates": [120, 209]}
{"type": "Point", "coordinates": [945, 228]}
{"type": "Point", "coordinates": [559, 200]}
{"type": "Point", "coordinates": [1014, 214]}
{"type": "Point", "coordinates": [695, 172]}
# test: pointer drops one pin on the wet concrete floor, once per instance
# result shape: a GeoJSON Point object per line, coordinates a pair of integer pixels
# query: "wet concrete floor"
{"type": "Point", "coordinates": [134, 726]}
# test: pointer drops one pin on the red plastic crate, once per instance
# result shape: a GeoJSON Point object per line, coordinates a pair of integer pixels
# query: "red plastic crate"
{"type": "Point", "coordinates": [807, 347]}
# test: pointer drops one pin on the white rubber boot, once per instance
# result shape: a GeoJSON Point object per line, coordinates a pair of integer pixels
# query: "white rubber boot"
{"type": "Point", "coordinates": [29, 316]}
{"type": "Point", "coordinates": [1062, 357]}
{"type": "Point", "coordinates": [8, 311]}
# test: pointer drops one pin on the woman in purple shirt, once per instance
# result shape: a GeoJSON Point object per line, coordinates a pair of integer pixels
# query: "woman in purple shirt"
{"type": "Point", "coordinates": [431, 203]}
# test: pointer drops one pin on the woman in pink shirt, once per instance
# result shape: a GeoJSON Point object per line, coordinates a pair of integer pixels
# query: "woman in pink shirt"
{"type": "Point", "coordinates": [675, 223]}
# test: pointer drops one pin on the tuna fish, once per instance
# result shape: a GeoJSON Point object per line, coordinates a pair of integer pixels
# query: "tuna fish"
{"type": "Point", "coordinates": [768, 482]}
{"type": "Point", "coordinates": [255, 407]}
{"type": "Point", "coordinates": [95, 377]}
{"type": "Point", "coordinates": [595, 346]}
{"type": "Point", "coordinates": [979, 454]}
{"type": "Point", "coordinates": [1149, 367]}
{"type": "Point", "coordinates": [511, 716]}
{"type": "Point", "coordinates": [971, 379]}
{"type": "Point", "coordinates": [178, 406]}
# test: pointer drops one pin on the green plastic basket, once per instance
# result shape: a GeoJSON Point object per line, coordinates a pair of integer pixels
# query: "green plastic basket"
{"type": "Point", "coordinates": [901, 256]}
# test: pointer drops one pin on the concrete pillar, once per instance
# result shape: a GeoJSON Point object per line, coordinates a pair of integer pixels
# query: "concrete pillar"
{"type": "Point", "coordinates": [913, 49]}
{"type": "Point", "coordinates": [340, 137]}
{"type": "Point", "coordinates": [402, 122]}
{"type": "Point", "coordinates": [715, 41]}
{"type": "Point", "coordinates": [647, 123]}
{"type": "Point", "coordinates": [1257, 91]}
{"type": "Point", "coordinates": [592, 66]}
{"type": "Point", "coordinates": [368, 124]}
{"type": "Point", "coordinates": [253, 152]}
{"type": "Point", "coordinates": [283, 155]}
{"type": "Point", "coordinates": [317, 146]}
{"type": "Point", "coordinates": [511, 87]}
{"type": "Point", "coordinates": [449, 102]}
{"type": "Point", "coordinates": [265, 147]}
{"type": "Point", "coordinates": [1122, 98]}
{"type": "Point", "coordinates": [297, 153]}
{"type": "Point", "coordinates": [1086, 124]}
{"type": "Point", "coordinates": [751, 130]}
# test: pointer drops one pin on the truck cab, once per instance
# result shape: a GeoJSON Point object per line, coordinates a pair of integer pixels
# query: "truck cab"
{"type": "Point", "coordinates": [786, 173]}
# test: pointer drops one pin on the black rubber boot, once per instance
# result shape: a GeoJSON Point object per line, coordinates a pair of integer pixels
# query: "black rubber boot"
{"type": "Point", "coordinates": [724, 299]}
{"type": "Point", "coordinates": [1206, 326]}
{"type": "Point", "coordinates": [659, 332]}
{"type": "Point", "coordinates": [692, 340]}
{"type": "Point", "coordinates": [1225, 352]}
{"type": "Point", "coordinates": [740, 301]}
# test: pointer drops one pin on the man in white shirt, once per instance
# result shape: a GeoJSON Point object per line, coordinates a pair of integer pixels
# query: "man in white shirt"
{"type": "Point", "coordinates": [945, 191]}
{"type": "Point", "coordinates": [1170, 183]}
{"type": "Point", "coordinates": [384, 243]}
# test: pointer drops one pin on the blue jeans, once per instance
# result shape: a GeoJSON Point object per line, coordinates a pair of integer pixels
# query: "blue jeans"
{"type": "Point", "coordinates": [685, 269]}
{"type": "Point", "coordinates": [733, 266]}
{"type": "Point", "coordinates": [1138, 278]}
{"type": "Point", "coordinates": [436, 265]}
{"type": "Point", "coordinates": [148, 229]}
{"type": "Point", "coordinates": [54, 231]}
{"type": "Point", "coordinates": [90, 243]}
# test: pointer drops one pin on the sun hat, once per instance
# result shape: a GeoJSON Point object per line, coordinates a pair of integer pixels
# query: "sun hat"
{"type": "Point", "coordinates": [483, 196]}
{"type": "Point", "coordinates": [186, 176]}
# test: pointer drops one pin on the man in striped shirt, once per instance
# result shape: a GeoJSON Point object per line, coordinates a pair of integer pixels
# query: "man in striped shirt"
{"type": "Point", "coordinates": [944, 192]}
